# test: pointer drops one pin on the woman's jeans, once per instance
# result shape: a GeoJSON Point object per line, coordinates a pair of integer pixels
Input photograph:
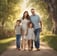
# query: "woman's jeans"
{"type": "Point", "coordinates": [37, 37]}
{"type": "Point", "coordinates": [18, 37]}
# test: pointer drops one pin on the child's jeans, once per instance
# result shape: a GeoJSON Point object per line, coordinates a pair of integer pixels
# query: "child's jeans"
{"type": "Point", "coordinates": [18, 37]}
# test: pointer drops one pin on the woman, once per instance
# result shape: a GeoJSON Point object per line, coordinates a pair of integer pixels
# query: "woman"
{"type": "Point", "coordinates": [25, 20]}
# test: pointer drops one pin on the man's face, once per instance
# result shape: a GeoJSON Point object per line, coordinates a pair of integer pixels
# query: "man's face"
{"type": "Point", "coordinates": [33, 11]}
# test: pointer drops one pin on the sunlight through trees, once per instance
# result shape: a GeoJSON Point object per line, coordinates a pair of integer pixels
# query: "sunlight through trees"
{"type": "Point", "coordinates": [48, 9]}
{"type": "Point", "coordinates": [11, 10]}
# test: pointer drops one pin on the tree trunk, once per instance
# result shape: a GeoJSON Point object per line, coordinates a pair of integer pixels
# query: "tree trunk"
{"type": "Point", "coordinates": [54, 4]}
{"type": "Point", "coordinates": [54, 29]}
{"type": "Point", "coordinates": [52, 9]}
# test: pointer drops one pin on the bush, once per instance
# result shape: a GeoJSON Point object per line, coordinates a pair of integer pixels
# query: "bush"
{"type": "Point", "coordinates": [6, 33]}
{"type": "Point", "coordinates": [51, 41]}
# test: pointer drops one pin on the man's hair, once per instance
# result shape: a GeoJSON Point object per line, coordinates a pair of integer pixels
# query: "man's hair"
{"type": "Point", "coordinates": [32, 9]}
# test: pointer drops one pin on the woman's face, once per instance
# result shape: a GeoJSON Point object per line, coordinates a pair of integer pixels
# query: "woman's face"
{"type": "Point", "coordinates": [26, 14]}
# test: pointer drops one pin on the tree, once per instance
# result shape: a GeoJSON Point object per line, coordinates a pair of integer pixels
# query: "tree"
{"type": "Point", "coordinates": [9, 11]}
{"type": "Point", "coordinates": [52, 9]}
{"type": "Point", "coordinates": [47, 7]}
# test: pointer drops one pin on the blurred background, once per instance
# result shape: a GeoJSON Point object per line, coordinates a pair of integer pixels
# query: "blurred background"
{"type": "Point", "coordinates": [11, 10]}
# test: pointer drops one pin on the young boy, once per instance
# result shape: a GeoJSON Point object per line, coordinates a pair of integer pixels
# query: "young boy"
{"type": "Point", "coordinates": [18, 33]}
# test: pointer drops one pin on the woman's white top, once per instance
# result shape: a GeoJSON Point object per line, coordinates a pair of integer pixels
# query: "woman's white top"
{"type": "Point", "coordinates": [24, 24]}
{"type": "Point", "coordinates": [31, 35]}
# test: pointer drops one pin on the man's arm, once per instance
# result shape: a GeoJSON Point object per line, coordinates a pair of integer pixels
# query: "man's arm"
{"type": "Point", "coordinates": [40, 21]}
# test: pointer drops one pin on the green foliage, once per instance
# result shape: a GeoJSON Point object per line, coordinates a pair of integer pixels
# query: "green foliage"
{"type": "Point", "coordinates": [41, 8]}
{"type": "Point", "coordinates": [39, 5]}
{"type": "Point", "coordinates": [51, 40]}
{"type": "Point", "coordinates": [47, 23]}
{"type": "Point", "coordinates": [9, 11]}
{"type": "Point", "coordinates": [4, 43]}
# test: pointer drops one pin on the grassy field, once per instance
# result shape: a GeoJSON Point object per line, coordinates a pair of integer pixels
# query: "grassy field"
{"type": "Point", "coordinates": [4, 43]}
{"type": "Point", "coordinates": [51, 40]}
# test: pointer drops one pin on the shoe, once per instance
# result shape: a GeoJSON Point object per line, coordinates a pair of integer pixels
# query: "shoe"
{"type": "Point", "coordinates": [31, 49]}
{"type": "Point", "coordinates": [18, 49]}
{"type": "Point", "coordinates": [24, 49]}
{"type": "Point", "coordinates": [38, 49]}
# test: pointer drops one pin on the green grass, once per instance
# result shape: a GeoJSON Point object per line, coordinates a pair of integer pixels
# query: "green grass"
{"type": "Point", "coordinates": [51, 40]}
{"type": "Point", "coordinates": [4, 43]}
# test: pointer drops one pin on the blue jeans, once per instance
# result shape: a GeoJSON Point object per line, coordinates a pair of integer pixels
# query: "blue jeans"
{"type": "Point", "coordinates": [18, 37]}
{"type": "Point", "coordinates": [37, 37]}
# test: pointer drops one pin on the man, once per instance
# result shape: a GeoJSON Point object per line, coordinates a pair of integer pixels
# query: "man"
{"type": "Point", "coordinates": [38, 27]}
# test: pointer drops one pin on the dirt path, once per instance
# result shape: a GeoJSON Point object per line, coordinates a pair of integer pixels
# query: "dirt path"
{"type": "Point", "coordinates": [44, 51]}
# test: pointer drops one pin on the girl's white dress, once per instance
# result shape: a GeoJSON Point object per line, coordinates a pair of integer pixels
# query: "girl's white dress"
{"type": "Point", "coordinates": [31, 35]}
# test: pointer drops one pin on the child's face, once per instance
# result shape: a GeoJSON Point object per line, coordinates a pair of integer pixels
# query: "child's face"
{"type": "Point", "coordinates": [30, 25]}
{"type": "Point", "coordinates": [18, 23]}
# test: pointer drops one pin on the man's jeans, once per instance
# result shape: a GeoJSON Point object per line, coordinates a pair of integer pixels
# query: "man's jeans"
{"type": "Point", "coordinates": [37, 37]}
{"type": "Point", "coordinates": [18, 40]}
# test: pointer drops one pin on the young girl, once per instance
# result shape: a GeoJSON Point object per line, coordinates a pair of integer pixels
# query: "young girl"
{"type": "Point", "coordinates": [30, 35]}
{"type": "Point", "coordinates": [25, 20]}
{"type": "Point", "coordinates": [18, 33]}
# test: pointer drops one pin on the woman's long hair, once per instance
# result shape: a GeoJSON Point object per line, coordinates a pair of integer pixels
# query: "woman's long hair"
{"type": "Point", "coordinates": [27, 17]}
